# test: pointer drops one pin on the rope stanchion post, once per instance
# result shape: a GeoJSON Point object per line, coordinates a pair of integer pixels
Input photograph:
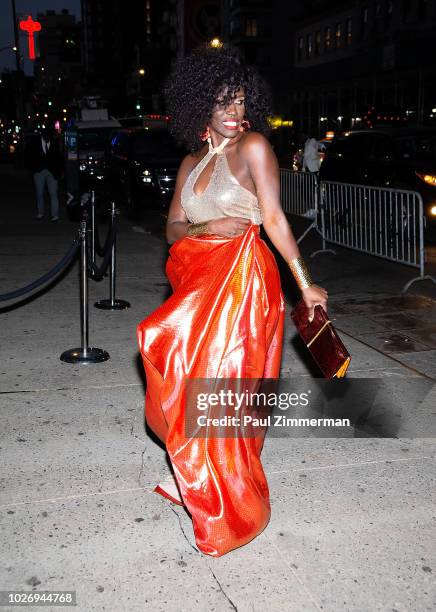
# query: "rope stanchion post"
{"type": "Point", "coordinates": [84, 354]}
{"type": "Point", "coordinates": [112, 303]}
{"type": "Point", "coordinates": [93, 227]}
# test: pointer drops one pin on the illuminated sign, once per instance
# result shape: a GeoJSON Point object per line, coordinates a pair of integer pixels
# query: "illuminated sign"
{"type": "Point", "coordinates": [30, 26]}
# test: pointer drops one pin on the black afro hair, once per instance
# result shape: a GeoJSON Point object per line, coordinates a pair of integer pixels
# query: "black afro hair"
{"type": "Point", "coordinates": [192, 89]}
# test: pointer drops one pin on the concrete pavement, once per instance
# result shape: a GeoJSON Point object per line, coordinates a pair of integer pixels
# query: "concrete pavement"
{"type": "Point", "coordinates": [351, 525]}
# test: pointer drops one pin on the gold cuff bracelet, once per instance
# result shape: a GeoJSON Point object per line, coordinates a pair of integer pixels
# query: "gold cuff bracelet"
{"type": "Point", "coordinates": [300, 272]}
{"type": "Point", "coordinates": [197, 229]}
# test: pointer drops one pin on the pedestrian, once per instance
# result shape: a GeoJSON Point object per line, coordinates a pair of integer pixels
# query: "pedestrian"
{"type": "Point", "coordinates": [311, 156]}
{"type": "Point", "coordinates": [45, 161]}
{"type": "Point", "coordinates": [225, 317]}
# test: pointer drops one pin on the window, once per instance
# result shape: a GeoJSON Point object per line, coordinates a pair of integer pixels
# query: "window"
{"type": "Point", "coordinates": [327, 39]}
{"type": "Point", "coordinates": [317, 42]}
{"type": "Point", "coordinates": [338, 36]}
{"type": "Point", "coordinates": [389, 10]}
{"type": "Point", "coordinates": [153, 142]}
{"type": "Point", "coordinates": [422, 9]}
{"type": "Point", "coordinates": [356, 146]}
{"type": "Point", "coordinates": [349, 38]}
{"type": "Point", "coordinates": [300, 49]}
{"type": "Point", "coordinates": [407, 6]}
{"type": "Point", "coordinates": [309, 45]}
{"type": "Point", "coordinates": [364, 19]}
{"type": "Point", "coordinates": [251, 28]}
{"type": "Point", "coordinates": [383, 149]}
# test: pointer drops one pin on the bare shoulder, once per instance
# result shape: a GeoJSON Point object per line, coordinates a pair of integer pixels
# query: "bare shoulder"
{"type": "Point", "coordinates": [254, 144]}
{"type": "Point", "coordinates": [258, 153]}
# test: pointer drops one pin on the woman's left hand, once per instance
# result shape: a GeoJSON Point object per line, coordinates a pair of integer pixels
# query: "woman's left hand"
{"type": "Point", "coordinates": [312, 296]}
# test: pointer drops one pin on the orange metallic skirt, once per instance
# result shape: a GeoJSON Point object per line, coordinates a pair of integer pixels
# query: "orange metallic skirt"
{"type": "Point", "coordinates": [224, 320]}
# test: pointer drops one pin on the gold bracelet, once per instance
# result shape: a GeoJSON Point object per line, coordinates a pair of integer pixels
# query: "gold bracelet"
{"type": "Point", "coordinates": [300, 272]}
{"type": "Point", "coordinates": [197, 229]}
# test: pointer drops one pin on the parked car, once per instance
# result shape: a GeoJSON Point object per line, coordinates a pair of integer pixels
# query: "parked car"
{"type": "Point", "coordinates": [402, 159]}
{"type": "Point", "coordinates": [143, 167]}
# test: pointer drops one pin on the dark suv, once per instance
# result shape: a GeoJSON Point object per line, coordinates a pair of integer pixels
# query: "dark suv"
{"type": "Point", "coordinates": [143, 167]}
{"type": "Point", "coordinates": [402, 159]}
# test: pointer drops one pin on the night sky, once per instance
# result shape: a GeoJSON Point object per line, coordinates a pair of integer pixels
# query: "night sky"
{"type": "Point", "coordinates": [24, 8]}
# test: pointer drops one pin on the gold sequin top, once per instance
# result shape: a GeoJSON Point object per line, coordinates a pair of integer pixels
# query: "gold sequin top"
{"type": "Point", "coordinates": [224, 196]}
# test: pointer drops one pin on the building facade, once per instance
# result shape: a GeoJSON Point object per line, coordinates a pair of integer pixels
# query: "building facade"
{"type": "Point", "coordinates": [354, 57]}
{"type": "Point", "coordinates": [127, 51]}
{"type": "Point", "coordinates": [263, 31]}
{"type": "Point", "coordinates": [57, 67]}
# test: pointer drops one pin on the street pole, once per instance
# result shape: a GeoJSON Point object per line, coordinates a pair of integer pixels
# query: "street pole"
{"type": "Point", "coordinates": [20, 104]}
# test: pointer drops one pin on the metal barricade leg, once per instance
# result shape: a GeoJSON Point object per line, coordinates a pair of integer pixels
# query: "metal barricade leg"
{"type": "Point", "coordinates": [112, 303]}
{"type": "Point", "coordinates": [84, 354]}
{"type": "Point", "coordinates": [421, 255]}
{"type": "Point", "coordinates": [320, 202]}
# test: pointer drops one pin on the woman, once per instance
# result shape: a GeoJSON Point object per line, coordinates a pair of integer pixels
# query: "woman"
{"type": "Point", "coordinates": [225, 317]}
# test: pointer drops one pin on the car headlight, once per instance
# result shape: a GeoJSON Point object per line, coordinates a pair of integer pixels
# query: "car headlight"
{"type": "Point", "coordinates": [146, 176]}
{"type": "Point", "coordinates": [430, 179]}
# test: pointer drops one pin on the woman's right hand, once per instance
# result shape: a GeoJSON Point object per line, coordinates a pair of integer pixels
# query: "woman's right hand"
{"type": "Point", "coordinates": [230, 227]}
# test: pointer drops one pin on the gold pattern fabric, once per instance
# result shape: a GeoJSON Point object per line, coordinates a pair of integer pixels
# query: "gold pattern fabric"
{"type": "Point", "coordinates": [224, 196]}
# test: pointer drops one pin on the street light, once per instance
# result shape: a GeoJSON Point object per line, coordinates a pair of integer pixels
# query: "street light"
{"type": "Point", "coordinates": [141, 71]}
{"type": "Point", "coordinates": [216, 43]}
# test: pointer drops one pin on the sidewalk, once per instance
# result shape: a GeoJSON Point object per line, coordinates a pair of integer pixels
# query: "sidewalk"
{"type": "Point", "coordinates": [351, 525]}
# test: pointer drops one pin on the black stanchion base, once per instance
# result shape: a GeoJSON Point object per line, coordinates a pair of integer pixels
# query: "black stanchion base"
{"type": "Point", "coordinates": [80, 355]}
{"type": "Point", "coordinates": [112, 305]}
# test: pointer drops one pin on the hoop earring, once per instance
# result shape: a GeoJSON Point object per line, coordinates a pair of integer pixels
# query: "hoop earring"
{"type": "Point", "coordinates": [205, 135]}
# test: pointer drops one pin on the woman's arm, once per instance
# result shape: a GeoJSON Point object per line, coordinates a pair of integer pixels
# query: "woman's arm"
{"type": "Point", "coordinates": [177, 222]}
{"type": "Point", "coordinates": [264, 170]}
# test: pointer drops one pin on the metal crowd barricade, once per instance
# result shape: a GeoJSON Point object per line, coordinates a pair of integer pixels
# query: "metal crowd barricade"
{"type": "Point", "coordinates": [298, 192]}
{"type": "Point", "coordinates": [384, 222]}
{"type": "Point", "coordinates": [299, 196]}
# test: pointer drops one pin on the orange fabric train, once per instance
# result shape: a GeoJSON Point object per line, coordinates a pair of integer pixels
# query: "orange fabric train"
{"type": "Point", "coordinates": [224, 320]}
